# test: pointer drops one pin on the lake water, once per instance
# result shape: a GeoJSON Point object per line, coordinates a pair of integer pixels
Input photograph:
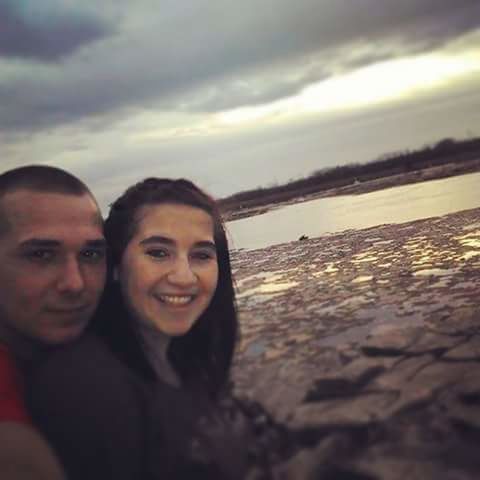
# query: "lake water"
{"type": "Point", "coordinates": [335, 214]}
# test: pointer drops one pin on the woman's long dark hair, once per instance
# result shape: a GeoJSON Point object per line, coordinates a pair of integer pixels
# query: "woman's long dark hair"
{"type": "Point", "coordinates": [205, 353]}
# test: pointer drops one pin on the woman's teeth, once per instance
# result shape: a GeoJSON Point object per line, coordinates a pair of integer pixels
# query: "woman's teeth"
{"type": "Point", "coordinates": [176, 300]}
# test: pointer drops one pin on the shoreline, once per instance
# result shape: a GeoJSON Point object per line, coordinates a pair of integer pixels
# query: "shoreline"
{"type": "Point", "coordinates": [358, 188]}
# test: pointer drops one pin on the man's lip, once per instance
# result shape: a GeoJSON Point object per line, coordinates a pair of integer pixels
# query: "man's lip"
{"type": "Point", "coordinates": [76, 308]}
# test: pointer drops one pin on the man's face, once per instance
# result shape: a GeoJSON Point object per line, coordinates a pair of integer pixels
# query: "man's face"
{"type": "Point", "coordinates": [52, 264]}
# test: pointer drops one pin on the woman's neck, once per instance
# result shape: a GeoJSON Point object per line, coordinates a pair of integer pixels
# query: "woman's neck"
{"type": "Point", "coordinates": [156, 345]}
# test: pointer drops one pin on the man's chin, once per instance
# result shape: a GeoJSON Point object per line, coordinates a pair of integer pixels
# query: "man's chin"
{"type": "Point", "coordinates": [62, 336]}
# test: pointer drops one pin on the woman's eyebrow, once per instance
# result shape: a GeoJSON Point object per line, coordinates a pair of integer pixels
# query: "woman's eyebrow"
{"type": "Point", "coordinates": [157, 239]}
{"type": "Point", "coordinates": [206, 244]}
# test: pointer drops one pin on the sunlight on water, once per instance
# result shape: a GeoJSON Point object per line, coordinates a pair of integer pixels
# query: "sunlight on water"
{"type": "Point", "coordinates": [362, 279]}
{"type": "Point", "coordinates": [468, 241]}
{"type": "Point", "coordinates": [434, 272]}
{"type": "Point", "coordinates": [364, 258]}
{"type": "Point", "coordinates": [470, 254]}
{"type": "Point", "coordinates": [268, 289]}
{"type": "Point", "coordinates": [471, 240]}
{"type": "Point", "coordinates": [266, 283]}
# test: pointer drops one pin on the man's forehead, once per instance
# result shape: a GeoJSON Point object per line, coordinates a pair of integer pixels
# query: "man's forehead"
{"type": "Point", "coordinates": [30, 210]}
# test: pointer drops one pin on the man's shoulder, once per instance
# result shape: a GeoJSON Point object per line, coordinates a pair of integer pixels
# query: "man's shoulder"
{"type": "Point", "coordinates": [12, 406]}
{"type": "Point", "coordinates": [87, 346]}
{"type": "Point", "coordinates": [83, 369]}
{"type": "Point", "coordinates": [87, 357]}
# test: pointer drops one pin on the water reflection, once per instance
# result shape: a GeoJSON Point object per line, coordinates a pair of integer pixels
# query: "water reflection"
{"type": "Point", "coordinates": [268, 289]}
{"type": "Point", "coordinates": [266, 283]}
{"type": "Point", "coordinates": [327, 215]}
{"type": "Point", "coordinates": [470, 240]}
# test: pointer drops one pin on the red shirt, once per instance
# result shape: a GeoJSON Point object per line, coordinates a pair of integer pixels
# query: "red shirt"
{"type": "Point", "coordinates": [12, 405]}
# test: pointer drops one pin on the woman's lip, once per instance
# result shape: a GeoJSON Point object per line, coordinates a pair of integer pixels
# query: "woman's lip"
{"type": "Point", "coordinates": [186, 293]}
{"type": "Point", "coordinates": [176, 300]}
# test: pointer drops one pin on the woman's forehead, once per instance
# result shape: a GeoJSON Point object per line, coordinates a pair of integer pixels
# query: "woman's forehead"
{"type": "Point", "coordinates": [173, 219]}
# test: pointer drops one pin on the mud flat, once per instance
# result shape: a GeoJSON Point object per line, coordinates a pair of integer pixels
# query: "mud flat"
{"type": "Point", "coordinates": [366, 344]}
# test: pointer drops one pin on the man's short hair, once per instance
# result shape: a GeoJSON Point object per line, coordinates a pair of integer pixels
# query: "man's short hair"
{"type": "Point", "coordinates": [39, 178]}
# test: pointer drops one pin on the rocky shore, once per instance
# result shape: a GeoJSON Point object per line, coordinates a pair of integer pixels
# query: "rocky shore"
{"type": "Point", "coordinates": [366, 345]}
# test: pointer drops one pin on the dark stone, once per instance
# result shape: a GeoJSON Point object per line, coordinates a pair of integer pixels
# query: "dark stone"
{"type": "Point", "coordinates": [328, 388]}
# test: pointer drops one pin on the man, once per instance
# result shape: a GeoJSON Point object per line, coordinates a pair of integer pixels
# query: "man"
{"type": "Point", "coordinates": [52, 273]}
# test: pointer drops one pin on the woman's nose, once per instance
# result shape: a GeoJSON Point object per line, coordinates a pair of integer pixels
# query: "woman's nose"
{"type": "Point", "coordinates": [181, 273]}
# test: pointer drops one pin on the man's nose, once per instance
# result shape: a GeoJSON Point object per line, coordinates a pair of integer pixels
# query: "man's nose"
{"type": "Point", "coordinates": [181, 273]}
{"type": "Point", "coordinates": [71, 277]}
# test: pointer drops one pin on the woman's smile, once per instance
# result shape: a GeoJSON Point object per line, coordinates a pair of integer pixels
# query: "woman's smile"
{"type": "Point", "coordinates": [176, 300]}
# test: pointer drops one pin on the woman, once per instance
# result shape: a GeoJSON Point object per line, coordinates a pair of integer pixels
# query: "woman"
{"type": "Point", "coordinates": [148, 401]}
{"type": "Point", "coordinates": [201, 345]}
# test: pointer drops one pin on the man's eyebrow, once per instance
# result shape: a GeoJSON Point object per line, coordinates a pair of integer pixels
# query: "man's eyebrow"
{"type": "Point", "coordinates": [39, 242]}
{"type": "Point", "coordinates": [50, 243]}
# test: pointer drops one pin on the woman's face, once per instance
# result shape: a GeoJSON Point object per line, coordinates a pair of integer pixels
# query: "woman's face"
{"type": "Point", "coordinates": [169, 272]}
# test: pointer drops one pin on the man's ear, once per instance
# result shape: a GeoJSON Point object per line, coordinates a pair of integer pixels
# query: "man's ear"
{"type": "Point", "coordinates": [115, 273]}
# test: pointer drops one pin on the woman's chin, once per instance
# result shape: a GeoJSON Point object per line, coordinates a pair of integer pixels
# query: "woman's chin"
{"type": "Point", "coordinates": [175, 328]}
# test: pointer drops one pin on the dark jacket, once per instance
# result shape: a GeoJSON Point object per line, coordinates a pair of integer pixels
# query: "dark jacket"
{"type": "Point", "coordinates": [106, 422]}
{"type": "Point", "coordinates": [92, 410]}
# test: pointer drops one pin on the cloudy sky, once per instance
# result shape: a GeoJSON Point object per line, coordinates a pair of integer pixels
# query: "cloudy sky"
{"type": "Point", "coordinates": [231, 94]}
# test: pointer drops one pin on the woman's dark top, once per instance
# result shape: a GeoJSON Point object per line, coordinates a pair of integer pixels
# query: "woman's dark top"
{"type": "Point", "coordinates": [105, 422]}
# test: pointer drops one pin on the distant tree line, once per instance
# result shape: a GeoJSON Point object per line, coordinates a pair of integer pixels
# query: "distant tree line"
{"type": "Point", "coordinates": [447, 150]}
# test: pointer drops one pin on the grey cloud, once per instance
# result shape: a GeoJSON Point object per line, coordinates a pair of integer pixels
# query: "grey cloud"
{"type": "Point", "coordinates": [47, 32]}
{"type": "Point", "coordinates": [212, 46]}
{"type": "Point", "coordinates": [230, 93]}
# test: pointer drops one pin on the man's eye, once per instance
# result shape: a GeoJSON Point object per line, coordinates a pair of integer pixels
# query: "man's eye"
{"type": "Point", "coordinates": [157, 253]}
{"type": "Point", "coordinates": [40, 255]}
{"type": "Point", "coordinates": [94, 255]}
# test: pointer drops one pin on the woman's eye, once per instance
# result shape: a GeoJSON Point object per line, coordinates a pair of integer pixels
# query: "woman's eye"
{"type": "Point", "coordinates": [157, 253]}
{"type": "Point", "coordinates": [203, 255]}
